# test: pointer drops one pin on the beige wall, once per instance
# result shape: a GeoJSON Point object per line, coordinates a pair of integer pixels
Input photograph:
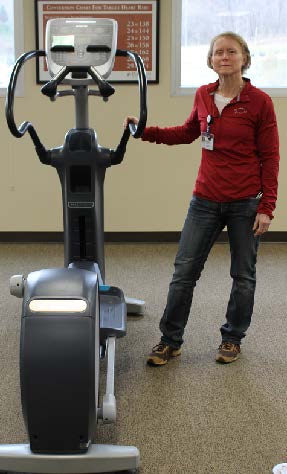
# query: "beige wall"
{"type": "Point", "coordinates": [150, 191]}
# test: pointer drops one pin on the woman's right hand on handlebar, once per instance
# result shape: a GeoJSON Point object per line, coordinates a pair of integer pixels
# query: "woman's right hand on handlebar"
{"type": "Point", "coordinates": [135, 120]}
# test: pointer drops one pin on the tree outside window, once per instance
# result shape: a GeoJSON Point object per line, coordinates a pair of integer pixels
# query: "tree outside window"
{"type": "Point", "coordinates": [7, 50]}
{"type": "Point", "coordinates": [262, 24]}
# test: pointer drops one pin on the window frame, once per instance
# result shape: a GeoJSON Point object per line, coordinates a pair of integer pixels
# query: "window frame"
{"type": "Point", "coordinates": [18, 46]}
{"type": "Point", "coordinates": [176, 88]}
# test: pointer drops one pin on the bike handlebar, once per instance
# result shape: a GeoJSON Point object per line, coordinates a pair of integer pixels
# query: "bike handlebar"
{"type": "Point", "coordinates": [50, 89]}
{"type": "Point", "coordinates": [137, 130]}
{"type": "Point", "coordinates": [18, 132]}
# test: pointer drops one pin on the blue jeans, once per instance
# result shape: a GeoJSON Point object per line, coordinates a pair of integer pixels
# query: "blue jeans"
{"type": "Point", "coordinates": [204, 222]}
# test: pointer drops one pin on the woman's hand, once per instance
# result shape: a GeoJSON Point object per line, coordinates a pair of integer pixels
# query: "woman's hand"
{"type": "Point", "coordinates": [135, 120]}
{"type": "Point", "coordinates": [261, 224]}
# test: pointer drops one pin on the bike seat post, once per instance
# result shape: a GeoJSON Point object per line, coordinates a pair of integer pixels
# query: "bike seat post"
{"type": "Point", "coordinates": [81, 107]}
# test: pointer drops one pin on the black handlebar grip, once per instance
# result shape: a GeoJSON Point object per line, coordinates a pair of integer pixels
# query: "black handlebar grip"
{"type": "Point", "coordinates": [119, 152]}
{"type": "Point", "coordinates": [18, 132]}
{"type": "Point", "coordinates": [137, 130]}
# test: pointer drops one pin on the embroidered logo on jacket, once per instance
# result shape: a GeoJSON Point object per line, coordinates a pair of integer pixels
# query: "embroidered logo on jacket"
{"type": "Point", "coordinates": [240, 110]}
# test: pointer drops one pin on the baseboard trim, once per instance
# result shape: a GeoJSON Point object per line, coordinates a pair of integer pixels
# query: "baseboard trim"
{"type": "Point", "coordinates": [123, 237]}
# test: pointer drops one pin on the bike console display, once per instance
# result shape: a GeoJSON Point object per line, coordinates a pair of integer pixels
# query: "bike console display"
{"type": "Point", "coordinates": [81, 42]}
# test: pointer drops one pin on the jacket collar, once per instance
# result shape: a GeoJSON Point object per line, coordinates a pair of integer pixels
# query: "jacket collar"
{"type": "Point", "coordinates": [244, 94]}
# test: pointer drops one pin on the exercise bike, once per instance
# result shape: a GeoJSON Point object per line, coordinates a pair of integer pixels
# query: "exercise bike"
{"type": "Point", "coordinates": [70, 316]}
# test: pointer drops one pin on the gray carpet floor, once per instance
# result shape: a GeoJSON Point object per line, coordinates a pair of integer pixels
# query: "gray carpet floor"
{"type": "Point", "coordinates": [192, 416]}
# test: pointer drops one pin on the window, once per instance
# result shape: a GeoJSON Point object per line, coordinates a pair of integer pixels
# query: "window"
{"type": "Point", "coordinates": [261, 23]}
{"type": "Point", "coordinates": [11, 40]}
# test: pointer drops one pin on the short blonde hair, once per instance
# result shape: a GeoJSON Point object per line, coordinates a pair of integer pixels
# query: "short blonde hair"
{"type": "Point", "coordinates": [239, 39]}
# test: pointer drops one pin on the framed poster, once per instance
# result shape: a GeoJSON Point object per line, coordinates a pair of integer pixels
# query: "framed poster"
{"type": "Point", "coordinates": [138, 31]}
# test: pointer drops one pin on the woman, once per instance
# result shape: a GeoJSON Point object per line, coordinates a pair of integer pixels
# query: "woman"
{"type": "Point", "coordinates": [236, 187]}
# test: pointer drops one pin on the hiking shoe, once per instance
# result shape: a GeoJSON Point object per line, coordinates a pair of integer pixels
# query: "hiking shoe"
{"type": "Point", "coordinates": [161, 353]}
{"type": "Point", "coordinates": [227, 352]}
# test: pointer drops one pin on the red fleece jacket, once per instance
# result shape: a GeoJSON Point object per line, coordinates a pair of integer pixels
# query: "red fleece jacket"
{"type": "Point", "coordinates": [245, 158]}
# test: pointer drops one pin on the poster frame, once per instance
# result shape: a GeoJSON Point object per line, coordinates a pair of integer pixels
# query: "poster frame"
{"type": "Point", "coordinates": [152, 76]}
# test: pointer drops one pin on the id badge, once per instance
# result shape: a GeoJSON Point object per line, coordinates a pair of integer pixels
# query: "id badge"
{"type": "Point", "coordinates": [207, 140]}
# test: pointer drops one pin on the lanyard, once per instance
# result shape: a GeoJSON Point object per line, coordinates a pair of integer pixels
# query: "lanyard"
{"type": "Point", "coordinates": [209, 120]}
{"type": "Point", "coordinates": [207, 138]}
